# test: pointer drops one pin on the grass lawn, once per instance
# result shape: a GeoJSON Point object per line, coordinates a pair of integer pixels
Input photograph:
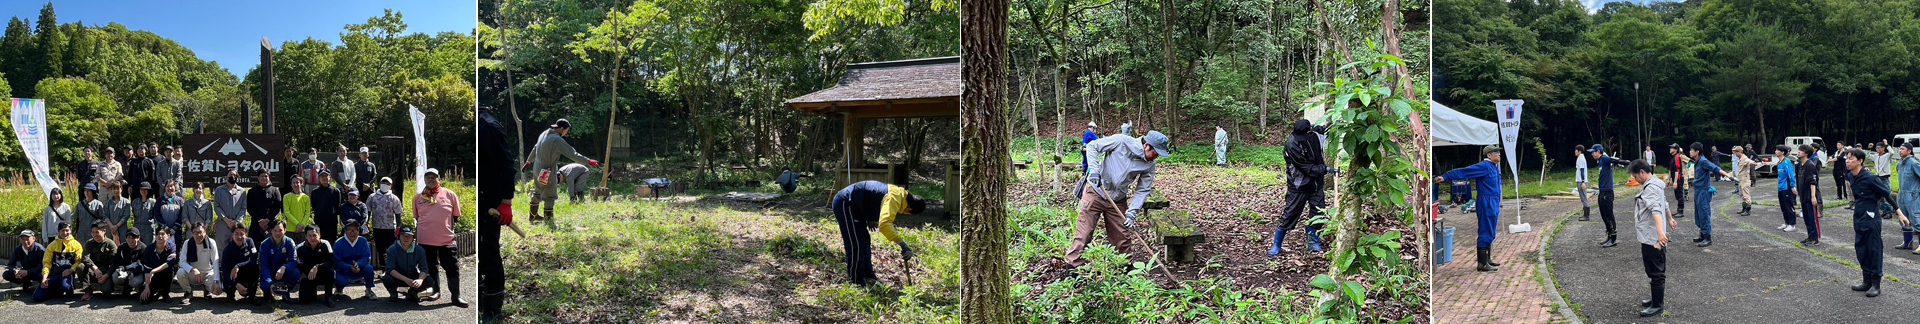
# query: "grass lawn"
{"type": "Point", "coordinates": [21, 203]}
{"type": "Point", "coordinates": [688, 257]}
{"type": "Point", "coordinates": [1021, 148]}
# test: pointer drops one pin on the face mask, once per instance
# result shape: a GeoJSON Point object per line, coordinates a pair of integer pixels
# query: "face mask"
{"type": "Point", "coordinates": [313, 156]}
{"type": "Point", "coordinates": [386, 187]}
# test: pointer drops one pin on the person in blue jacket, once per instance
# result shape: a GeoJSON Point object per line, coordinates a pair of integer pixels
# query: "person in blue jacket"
{"type": "Point", "coordinates": [1870, 196]}
{"type": "Point", "coordinates": [1909, 195]}
{"type": "Point", "coordinates": [1605, 198]}
{"type": "Point", "coordinates": [1086, 137]}
{"type": "Point", "coordinates": [276, 259]}
{"type": "Point", "coordinates": [352, 258]}
{"type": "Point", "coordinates": [1786, 185]}
{"type": "Point", "coordinates": [1486, 200]}
{"type": "Point", "coordinates": [1703, 172]}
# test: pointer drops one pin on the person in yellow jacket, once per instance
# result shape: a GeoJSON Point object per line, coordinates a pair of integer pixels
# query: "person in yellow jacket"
{"type": "Point", "coordinates": [296, 208]}
{"type": "Point", "coordinates": [871, 204]}
{"type": "Point", "coordinates": [57, 265]}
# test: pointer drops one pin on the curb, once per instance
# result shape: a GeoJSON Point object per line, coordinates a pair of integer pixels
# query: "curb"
{"type": "Point", "coordinates": [1553, 292]}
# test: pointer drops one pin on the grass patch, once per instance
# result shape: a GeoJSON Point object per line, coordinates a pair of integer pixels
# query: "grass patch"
{"type": "Point", "coordinates": [1200, 153]}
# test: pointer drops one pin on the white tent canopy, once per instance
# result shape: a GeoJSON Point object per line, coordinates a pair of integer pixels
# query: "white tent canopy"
{"type": "Point", "coordinates": [1450, 127]}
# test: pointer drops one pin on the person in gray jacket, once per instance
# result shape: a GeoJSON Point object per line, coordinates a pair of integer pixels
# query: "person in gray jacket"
{"type": "Point", "coordinates": [229, 206]}
{"type": "Point", "coordinates": [1120, 162]}
{"type": "Point", "coordinates": [547, 152]}
{"type": "Point", "coordinates": [576, 176]}
{"type": "Point", "coordinates": [163, 170]}
{"type": "Point", "coordinates": [114, 209]}
{"type": "Point", "coordinates": [197, 209]}
{"type": "Point", "coordinates": [86, 210]}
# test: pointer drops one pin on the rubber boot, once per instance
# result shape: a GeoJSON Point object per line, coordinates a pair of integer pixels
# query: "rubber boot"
{"type": "Point", "coordinates": [1906, 241]}
{"type": "Point", "coordinates": [1490, 261]}
{"type": "Point", "coordinates": [1313, 238]}
{"type": "Point", "coordinates": [1278, 236]}
{"type": "Point", "coordinates": [1609, 243]}
{"type": "Point", "coordinates": [1654, 306]}
{"type": "Point", "coordinates": [1481, 254]}
{"type": "Point", "coordinates": [1874, 291]}
{"type": "Point", "coordinates": [1746, 209]}
{"type": "Point", "coordinates": [1584, 212]}
{"type": "Point", "coordinates": [1865, 283]}
{"type": "Point", "coordinates": [1705, 240]}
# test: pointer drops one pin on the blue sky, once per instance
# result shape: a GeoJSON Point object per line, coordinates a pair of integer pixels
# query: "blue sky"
{"type": "Point", "coordinates": [1594, 5]}
{"type": "Point", "coordinates": [229, 31]}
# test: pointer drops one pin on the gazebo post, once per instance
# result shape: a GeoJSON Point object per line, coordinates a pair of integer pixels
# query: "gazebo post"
{"type": "Point", "coordinates": [855, 133]}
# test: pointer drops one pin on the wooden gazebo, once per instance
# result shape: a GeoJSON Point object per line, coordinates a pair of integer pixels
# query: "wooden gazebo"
{"type": "Point", "coordinates": [915, 88]}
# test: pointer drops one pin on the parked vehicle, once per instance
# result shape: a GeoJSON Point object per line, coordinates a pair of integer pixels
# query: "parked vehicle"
{"type": "Point", "coordinates": [1767, 160]}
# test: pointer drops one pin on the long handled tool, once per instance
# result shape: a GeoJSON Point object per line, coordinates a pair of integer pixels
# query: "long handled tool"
{"type": "Point", "coordinates": [1155, 254]}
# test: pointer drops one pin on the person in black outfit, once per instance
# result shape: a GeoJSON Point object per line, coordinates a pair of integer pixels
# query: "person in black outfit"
{"type": "Point", "coordinates": [497, 195]}
{"type": "Point", "coordinates": [316, 267]}
{"type": "Point", "coordinates": [84, 170]}
{"type": "Point", "coordinates": [263, 204]}
{"type": "Point", "coordinates": [136, 170]}
{"type": "Point", "coordinates": [237, 267]}
{"type": "Point", "coordinates": [1869, 196]}
{"type": "Point", "coordinates": [1809, 172]}
{"type": "Point", "coordinates": [1605, 185]}
{"type": "Point", "coordinates": [23, 268]}
{"type": "Point", "coordinates": [158, 264]}
{"type": "Point", "coordinates": [326, 207]}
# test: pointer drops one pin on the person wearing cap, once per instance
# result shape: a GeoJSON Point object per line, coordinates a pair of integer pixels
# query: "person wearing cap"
{"type": "Point", "coordinates": [342, 170]}
{"type": "Point", "coordinates": [1703, 172]}
{"type": "Point", "coordinates": [276, 259]}
{"type": "Point", "coordinates": [1486, 201]}
{"type": "Point", "coordinates": [1743, 179]}
{"type": "Point", "coordinates": [144, 208]}
{"type": "Point", "coordinates": [1306, 181]}
{"type": "Point", "coordinates": [229, 206]}
{"type": "Point", "coordinates": [316, 264]}
{"type": "Point", "coordinates": [383, 215]}
{"type": "Point", "coordinates": [1219, 145]}
{"type": "Point", "coordinates": [157, 265]}
{"type": "Point", "coordinates": [406, 264]}
{"type": "Point", "coordinates": [547, 152]}
{"type": "Point", "coordinates": [298, 206]}
{"type": "Point", "coordinates": [788, 179]}
{"type": "Point", "coordinates": [87, 210]}
{"type": "Point", "coordinates": [1651, 220]}
{"type": "Point", "coordinates": [56, 212]}
{"type": "Point", "coordinates": [24, 267]}
{"type": "Point", "coordinates": [1807, 175]}
{"type": "Point", "coordinates": [326, 207]}
{"type": "Point", "coordinates": [353, 211]}
{"type": "Point", "coordinates": [576, 179]}
{"type": "Point", "coordinates": [363, 170]}
{"type": "Point", "coordinates": [1677, 171]}
{"type": "Point", "coordinates": [1119, 162]}
{"type": "Point", "coordinates": [238, 269]}
{"type": "Point", "coordinates": [871, 204]}
{"type": "Point", "coordinates": [1786, 184]}
{"type": "Point", "coordinates": [58, 263]}
{"type": "Point", "coordinates": [1605, 185]}
{"type": "Point", "coordinates": [127, 277]}
{"type": "Point", "coordinates": [109, 171]}
{"type": "Point", "coordinates": [84, 169]}
{"type": "Point", "coordinates": [96, 270]}
{"type": "Point", "coordinates": [1909, 195]}
{"type": "Point", "coordinates": [310, 171]}
{"type": "Point", "coordinates": [1086, 137]}
{"type": "Point", "coordinates": [352, 259]}
{"type": "Point", "coordinates": [199, 263]}
{"type": "Point", "coordinates": [197, 209]}
{"type": "Point", "coordinates": [1870, 194]}
{"type": "Point", "coordinates": [1580, 179]}
{"type": "Point", "coordinates": [435, 210]}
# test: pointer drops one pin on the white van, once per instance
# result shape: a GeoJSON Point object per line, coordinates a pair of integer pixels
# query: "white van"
{"type": "Point", "coordinates": [1767, 160]}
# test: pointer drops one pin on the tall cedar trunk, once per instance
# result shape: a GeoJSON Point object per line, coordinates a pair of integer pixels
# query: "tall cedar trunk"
{"type": "Point", "coordinates": [984, 295]}
{"type": "Point", "coordinates": [1166, 55]}
{"type": "Point", "coordinates": [1033, 118]}
{"type": "Point", "coordinates": [1059, 118]}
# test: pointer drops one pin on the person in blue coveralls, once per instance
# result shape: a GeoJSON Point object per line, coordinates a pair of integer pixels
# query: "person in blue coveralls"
{"type": "Point", "coordinates": [1703, 171]}
{"type": "Point", "coordinates": [1486, 201]}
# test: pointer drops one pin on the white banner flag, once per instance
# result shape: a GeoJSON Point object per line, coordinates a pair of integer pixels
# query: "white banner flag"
{"type": "Point", "coordinates": [29, 118]}
{"type": "Point", "coordinates": [419, 148]}
{"type": "Point", "coordinates": [1509, 111]}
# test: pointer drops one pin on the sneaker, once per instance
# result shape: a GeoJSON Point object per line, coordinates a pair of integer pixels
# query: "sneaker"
{"type": "Point", "coordinates": [1781, 227]}
{"type": "Point", "coordinates": [1789, 228]}
{"type": "Point", "coordinates": [370, 293]}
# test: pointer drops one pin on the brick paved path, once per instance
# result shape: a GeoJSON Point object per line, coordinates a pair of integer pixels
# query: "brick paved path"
{"type": "Point", "coordinates": [1512, 295]}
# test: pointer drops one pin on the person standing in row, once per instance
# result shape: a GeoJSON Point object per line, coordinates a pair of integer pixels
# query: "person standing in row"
{"type": "Point", "coordinates": [343, 172]}
{"type": "Point", "coordinates": [136, 171]}
{"type": "Point", "coordinates": [263, 205]}
{"type": "Point", "coordinates": [114, 210]}
{"type": "Point", "coordinates": [85, 169]}
{"type": "Point", "coordinates": [310, 171]}
{"type": "Point", "coordinates": [1650, 222]}
{"type": "Point", "coordinates": [163, 171]}
{"type": "Point", "coordinates": [87, 210]}
{"type": "Point", "coordinates": [435, 209]}
{"type": "Point", "coordinates": [229, 206]}
{"type": "Point", "coordinates": [326, 205]}
{"type": "Point", "coordinates": [110, 172]}
{"type": "Point", "coordinates": [364, 171]}
{"type": "Point", "coordinates": [1838, 161]}
{"type": "Point", "coordinates": [166, 213]}
{"type": "Point", "coordinates": [1786, 184]}
{"type": "Point", "coordinates": [1605, 197]}
{"type": "Point", "coordinates": [292, 169]}
{"type": "Point", "coordinates": [180, 169]}
{"type": "Point", "coordinates": [144, 207]}
{"type": "Point", "coordinates": [1809, 178]}
{"type": "Point", "coordinates": [383, 214]}
{"type": "Point", "coordinates": [1486, 201]}
{"type": "Point", "coordinates": [1883, 167]}
{"type": "Point", "coordinates": [547, 152]}
{"type": "Point", "coordinates": [1678, 172]}
{"type": "Point", "coordinates": [198, 210]}
{"type": "Point", "coordinates": [1743, 179]}
{"type": "Point", "coordinates": [297, 208]}
{"type": "Point", "coordinates": [153, 167]}
{"type": "Point", "coordinates": [1868, 195]}
{"type": "Point", "coordinates": [56, 212]}
{"type": "Point", "coordinates": [1909, 196]}
{"type": "Point", "coordinates": [1703, 172]}
{"type": "Point", "coordinates": [1580, 180]}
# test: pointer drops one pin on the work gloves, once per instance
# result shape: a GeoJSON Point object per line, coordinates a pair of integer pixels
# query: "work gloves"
{"type": "Point", "coordinates": [905, 252]}
{"type": "Point", "coordinates": [1131, 213]}
{"type": "Point", "coordinates": [593, 162]}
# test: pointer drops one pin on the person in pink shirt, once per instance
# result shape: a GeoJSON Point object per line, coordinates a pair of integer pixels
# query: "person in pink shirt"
{"type": "Point", "coordinates": [435, 209]}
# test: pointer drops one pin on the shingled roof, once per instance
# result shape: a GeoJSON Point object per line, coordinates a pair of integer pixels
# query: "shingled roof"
{"type": "Point", "coordinates": [919, 82]}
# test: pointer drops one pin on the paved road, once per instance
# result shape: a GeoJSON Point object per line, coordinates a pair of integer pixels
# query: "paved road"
{"type": "Point", "coordinates": [1753, 273]}
{"type": "Point", "coordinates": [1512, 295]}
{"type": "Point", "coordinates": [15, 308]}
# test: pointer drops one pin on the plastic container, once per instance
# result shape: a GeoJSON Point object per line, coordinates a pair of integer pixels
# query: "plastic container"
{"type": "Point", "coordinates": [1445, 253]}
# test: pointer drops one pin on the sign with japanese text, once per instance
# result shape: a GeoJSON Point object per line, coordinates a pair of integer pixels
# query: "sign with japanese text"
{"type": "Point", "coordinates": [208, 157]}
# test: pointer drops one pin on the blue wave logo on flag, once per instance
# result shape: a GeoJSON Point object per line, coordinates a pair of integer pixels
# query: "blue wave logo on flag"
{"type": "Point", "coordinates": [1509, 112]}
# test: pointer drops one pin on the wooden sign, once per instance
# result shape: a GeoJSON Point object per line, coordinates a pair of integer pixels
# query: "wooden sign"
{"type": "Point", "coordinates": [208, 157]}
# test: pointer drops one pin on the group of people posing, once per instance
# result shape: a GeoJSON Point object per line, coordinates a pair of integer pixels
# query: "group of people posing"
{"type": "Point", "coordinates": [239, 241]}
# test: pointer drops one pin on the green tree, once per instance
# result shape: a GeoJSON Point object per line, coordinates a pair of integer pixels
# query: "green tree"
{"type": "Point", "coordinates": [52, 46]}
{"type": "Point", "coordinates": [1760, 68]}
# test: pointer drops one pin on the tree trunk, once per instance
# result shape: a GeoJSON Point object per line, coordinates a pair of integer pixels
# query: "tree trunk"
{"type": "Point", "coordinates": [984, 274]}
{"type": "Point", "coordinates": [1059, 117]}
{"type": "Point", "coordinates": [1166, 55]}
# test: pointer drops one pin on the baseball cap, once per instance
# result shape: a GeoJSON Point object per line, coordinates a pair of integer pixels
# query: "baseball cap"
{"type": "Point", "coordinates": [1597, 148]}
{"type": "Point", "coordinates": [363, 149]}
{"type": "Point", "coordinates": [26, 233]}
{"type": "Point", "coordinates": [1157, 140]}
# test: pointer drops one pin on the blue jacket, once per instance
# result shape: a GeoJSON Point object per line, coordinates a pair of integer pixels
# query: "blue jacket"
{"type": "Point", "coordinates": [1606, 170]}
{"type": "Point", "coordinates": [237, 255]}
{"type": "Point", "coordinates": [1703, 171]}
{"type": "Point", "coordinates": [275, 255]}
{"type": "Point", "coordinates": [1784, 171]}
{"type": "Point", "coordinates": [1486, 175]}
{"type": "Point", "coordinates": [354, 211]}
{"type": "Point", "coordinates": [1088, 136]}
{"type": "Point", "coordinates": [347, 253]}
